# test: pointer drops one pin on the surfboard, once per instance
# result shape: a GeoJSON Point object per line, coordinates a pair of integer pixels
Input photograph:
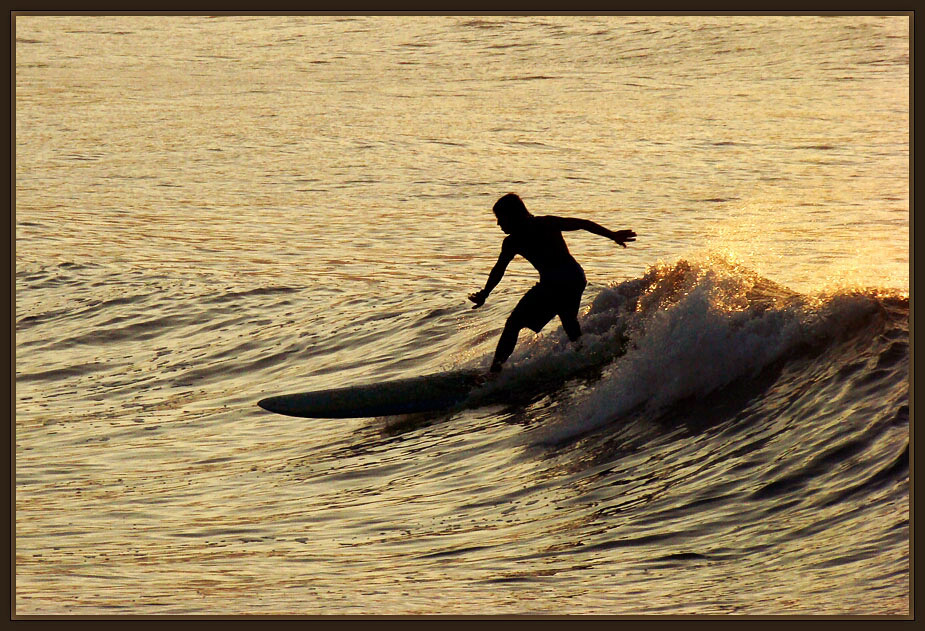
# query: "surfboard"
{"type": "Point", "coordinates": [429, 393]}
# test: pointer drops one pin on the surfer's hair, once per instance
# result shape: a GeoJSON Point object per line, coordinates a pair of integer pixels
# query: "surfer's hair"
{"type": "Point", "coordinates": [511, 206]}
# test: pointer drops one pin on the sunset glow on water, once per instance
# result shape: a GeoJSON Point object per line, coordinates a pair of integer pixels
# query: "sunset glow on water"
{"type": "Point", "coordinates": [210, 211]}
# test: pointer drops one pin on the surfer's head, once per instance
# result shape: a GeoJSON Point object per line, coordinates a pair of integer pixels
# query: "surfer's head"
{"type": "Point", "coordinates": [511, 212]}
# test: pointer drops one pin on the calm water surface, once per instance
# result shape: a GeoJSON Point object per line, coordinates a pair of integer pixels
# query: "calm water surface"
{"type": "Point", "coordinates": [214, 210]}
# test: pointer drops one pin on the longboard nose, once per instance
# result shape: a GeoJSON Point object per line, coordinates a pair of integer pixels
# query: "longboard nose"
{"type": "Point", "coordinates": [404, 396]}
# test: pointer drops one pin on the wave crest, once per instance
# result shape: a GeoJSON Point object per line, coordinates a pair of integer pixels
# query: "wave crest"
{"type": "Point", "coordinates": [689, 329]}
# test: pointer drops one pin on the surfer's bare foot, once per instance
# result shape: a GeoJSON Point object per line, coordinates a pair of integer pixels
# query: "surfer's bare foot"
{"type": "Point", "coordinates": [486, 377]}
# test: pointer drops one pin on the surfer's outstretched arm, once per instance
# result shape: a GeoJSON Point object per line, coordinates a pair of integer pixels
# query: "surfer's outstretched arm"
{"type": "Point", "coordinates": [495, 276]}
{"type": "Point", "coordinates": [620, 236]}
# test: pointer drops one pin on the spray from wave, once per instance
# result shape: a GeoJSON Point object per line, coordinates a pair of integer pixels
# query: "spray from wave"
{"type": "Point", "coordinates": [689, 329]}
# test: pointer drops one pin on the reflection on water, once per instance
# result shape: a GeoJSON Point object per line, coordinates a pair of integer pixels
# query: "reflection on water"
{"type": "Point", "coordinates": [214, 210]}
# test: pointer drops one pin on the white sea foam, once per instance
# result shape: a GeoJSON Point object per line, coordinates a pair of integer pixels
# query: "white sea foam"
{"type": "Point", "coordinates": [690, 330]}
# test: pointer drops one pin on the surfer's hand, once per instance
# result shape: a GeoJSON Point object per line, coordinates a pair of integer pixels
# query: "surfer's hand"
{"type": "Point", "coordinates": [478, 298]}
{"type": "Point", "coordinates": [622, 236]}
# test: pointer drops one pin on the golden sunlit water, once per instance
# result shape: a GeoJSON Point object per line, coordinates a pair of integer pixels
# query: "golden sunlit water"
{"type": "Point", "coordinates": [210, 211]}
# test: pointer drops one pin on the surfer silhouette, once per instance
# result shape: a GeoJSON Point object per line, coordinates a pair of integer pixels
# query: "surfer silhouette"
{"type": "Point", "coordinates": [562, 280]}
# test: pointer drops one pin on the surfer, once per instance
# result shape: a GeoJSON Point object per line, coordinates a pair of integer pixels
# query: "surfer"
{"type": "Point", "coordinates": [562, 280]}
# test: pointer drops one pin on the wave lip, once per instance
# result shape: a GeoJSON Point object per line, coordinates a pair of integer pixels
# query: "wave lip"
{"type": "Point", "coordinates": [692, 328]}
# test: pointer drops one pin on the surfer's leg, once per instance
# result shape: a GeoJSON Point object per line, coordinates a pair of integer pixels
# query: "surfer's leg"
{"type": "Point", "coordinates": [572, 328]}
{"type": "Point", "coordinates": [532, 312]}
{"type": "Point", "coordinates": [506, 343]}
{"type": "Point", "coordinates": [568, 313]}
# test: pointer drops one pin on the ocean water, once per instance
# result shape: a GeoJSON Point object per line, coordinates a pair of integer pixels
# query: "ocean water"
{"type": "Point", "coordinates": [210, 211]}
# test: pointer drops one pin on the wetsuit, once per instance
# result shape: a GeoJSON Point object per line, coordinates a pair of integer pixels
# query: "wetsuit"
{"type": "Point", "coordinates": [562, 281]}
